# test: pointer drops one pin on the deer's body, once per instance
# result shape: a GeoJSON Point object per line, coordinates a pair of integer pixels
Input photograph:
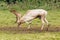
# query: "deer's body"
{"type": "Point", "coordinates": [32, 14]}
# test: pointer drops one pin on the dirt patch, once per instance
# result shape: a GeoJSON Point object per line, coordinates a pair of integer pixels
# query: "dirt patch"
{"type": "Point", "coordinates": [31, 30]}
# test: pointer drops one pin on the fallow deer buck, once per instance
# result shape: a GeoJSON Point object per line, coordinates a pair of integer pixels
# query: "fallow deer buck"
{"type": "Point", "coordinates": [32, 14]}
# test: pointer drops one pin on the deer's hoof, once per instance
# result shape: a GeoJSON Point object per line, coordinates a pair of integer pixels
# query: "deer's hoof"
{"type": "Point", "coordinates": [42, 29]}
{"type": "Point", "coordinates": [28, 27]}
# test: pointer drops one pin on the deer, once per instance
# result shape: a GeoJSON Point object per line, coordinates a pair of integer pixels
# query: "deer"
{"type": "Point", "coordinates": [33, 14]}
{"type": "Point", "coordinates": [30, 15]}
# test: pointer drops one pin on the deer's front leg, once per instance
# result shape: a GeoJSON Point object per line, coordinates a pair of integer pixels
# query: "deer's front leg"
{"type": "Point", "coordinates": [19, 24]}
{"type": "Point", "coordinates": [43, 22]}
{"type": "Point", "coordinates": [29, 24]}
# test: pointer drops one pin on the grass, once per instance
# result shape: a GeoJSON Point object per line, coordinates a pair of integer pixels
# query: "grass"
{"type": "Point", "coordinates": [8, 19]}
{"type": "Point", "coordinates": [5, 18]}
{"type": "Point", "coordinates": [30, 36]}
{"type": "Point", "coordinates": [53, 17]}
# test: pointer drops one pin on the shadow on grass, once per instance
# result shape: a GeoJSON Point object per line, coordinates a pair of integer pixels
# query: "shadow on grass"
{"type": "Point", "coordinates": [31, 30]}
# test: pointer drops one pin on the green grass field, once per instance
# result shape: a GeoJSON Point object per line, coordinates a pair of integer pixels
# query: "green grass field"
{"type": "Point", "coordinates": [7, 19]}
{"type": "Point", "coordinates": [30, 36]}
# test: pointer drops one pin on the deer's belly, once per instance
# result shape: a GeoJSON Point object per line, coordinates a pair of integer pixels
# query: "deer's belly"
{"type": "Point", "coordinates": [28, 19]}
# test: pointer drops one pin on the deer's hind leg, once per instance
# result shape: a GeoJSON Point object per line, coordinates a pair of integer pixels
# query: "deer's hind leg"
{"type": "Point", "coordinates": [43, 22]}
{"type": "Point", "coordinates": [46, 21]}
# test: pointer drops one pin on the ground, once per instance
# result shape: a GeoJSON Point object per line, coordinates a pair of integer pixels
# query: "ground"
{"type": "Point", "coordinates": [34, 33]}
{"type": "Point", "coordinates": [32, 29]}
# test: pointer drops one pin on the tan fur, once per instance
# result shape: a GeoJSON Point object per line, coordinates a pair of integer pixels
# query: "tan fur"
{"type": "Point", "coordinates": [32, 14]}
